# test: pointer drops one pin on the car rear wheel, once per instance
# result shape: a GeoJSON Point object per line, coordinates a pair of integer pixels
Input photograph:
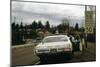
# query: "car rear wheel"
{"type": "Point", "coordinates": [69, 56]}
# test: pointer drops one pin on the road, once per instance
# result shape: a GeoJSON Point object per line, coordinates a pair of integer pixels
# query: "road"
{"type": "Point", "coordinates": [78, 57]}
{"type": "Point", "coordinates": [25, 56]}
{"type": "Point", "coordinates": [89, 54]}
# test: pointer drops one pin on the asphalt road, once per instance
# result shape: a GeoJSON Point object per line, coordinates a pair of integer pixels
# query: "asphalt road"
{"type": "Point", "coordinates": [25, 56]}
{"type": "Point", "coordinates": [88, 55]}
{"type": "Point", "coordinates": [78, 57]}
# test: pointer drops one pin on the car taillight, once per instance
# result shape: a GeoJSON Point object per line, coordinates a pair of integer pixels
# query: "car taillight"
{"type": "Point", "coordinates": [66, 49]}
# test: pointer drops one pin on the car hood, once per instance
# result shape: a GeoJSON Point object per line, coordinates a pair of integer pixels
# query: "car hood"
{"type": "Point", "coordinates": [54, 45]}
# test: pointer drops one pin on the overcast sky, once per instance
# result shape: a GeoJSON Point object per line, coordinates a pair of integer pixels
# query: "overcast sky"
{"type": "Point", "coordinates": [54, 13]}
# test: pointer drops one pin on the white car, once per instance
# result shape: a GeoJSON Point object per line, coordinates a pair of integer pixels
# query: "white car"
{"type": "Point", "coordinates": [57, 45]}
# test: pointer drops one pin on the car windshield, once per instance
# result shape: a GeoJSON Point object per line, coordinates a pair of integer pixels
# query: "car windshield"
{"type": "Point", "coordinates": [55, 39]}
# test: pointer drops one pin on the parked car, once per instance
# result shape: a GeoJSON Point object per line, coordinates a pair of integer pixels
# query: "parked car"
{"type": "Point", "coordinates": [54, 46]}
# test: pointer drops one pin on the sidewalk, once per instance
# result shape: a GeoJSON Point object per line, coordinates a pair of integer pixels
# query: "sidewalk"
{"type": "Point", "coordinates": [89, 53]}
{"type": "Point", "coordinates": [91, 47]}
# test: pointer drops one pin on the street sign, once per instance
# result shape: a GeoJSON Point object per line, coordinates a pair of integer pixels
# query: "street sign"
{"type": "Point", "coordinates": [89, 28]}
{"type": "Point", "coordinates": [89, 17]}
{"type": "Point", "coordinates": [88, 21]}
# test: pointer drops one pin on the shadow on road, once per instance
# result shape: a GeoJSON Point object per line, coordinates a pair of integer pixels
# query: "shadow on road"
{"type": "Point", "coordinates": [54, 61]}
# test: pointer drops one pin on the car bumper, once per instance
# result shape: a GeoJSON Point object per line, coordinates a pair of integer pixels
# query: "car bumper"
{"type": "Point", "coordinates": [55, 55]}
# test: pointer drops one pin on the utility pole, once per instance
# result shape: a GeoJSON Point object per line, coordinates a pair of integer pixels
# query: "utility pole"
{"type": "Point", "coordinates": [88, 21]}
{"type": "Point", "coordinates": [85, 23]}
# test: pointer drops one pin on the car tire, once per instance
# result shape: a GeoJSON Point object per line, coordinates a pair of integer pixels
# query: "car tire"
{"type": "Point", "coordinates": [69, 56]}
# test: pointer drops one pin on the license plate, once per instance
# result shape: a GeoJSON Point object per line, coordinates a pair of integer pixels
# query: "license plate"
{"type": "Point", "coordinates": [53, 50]}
